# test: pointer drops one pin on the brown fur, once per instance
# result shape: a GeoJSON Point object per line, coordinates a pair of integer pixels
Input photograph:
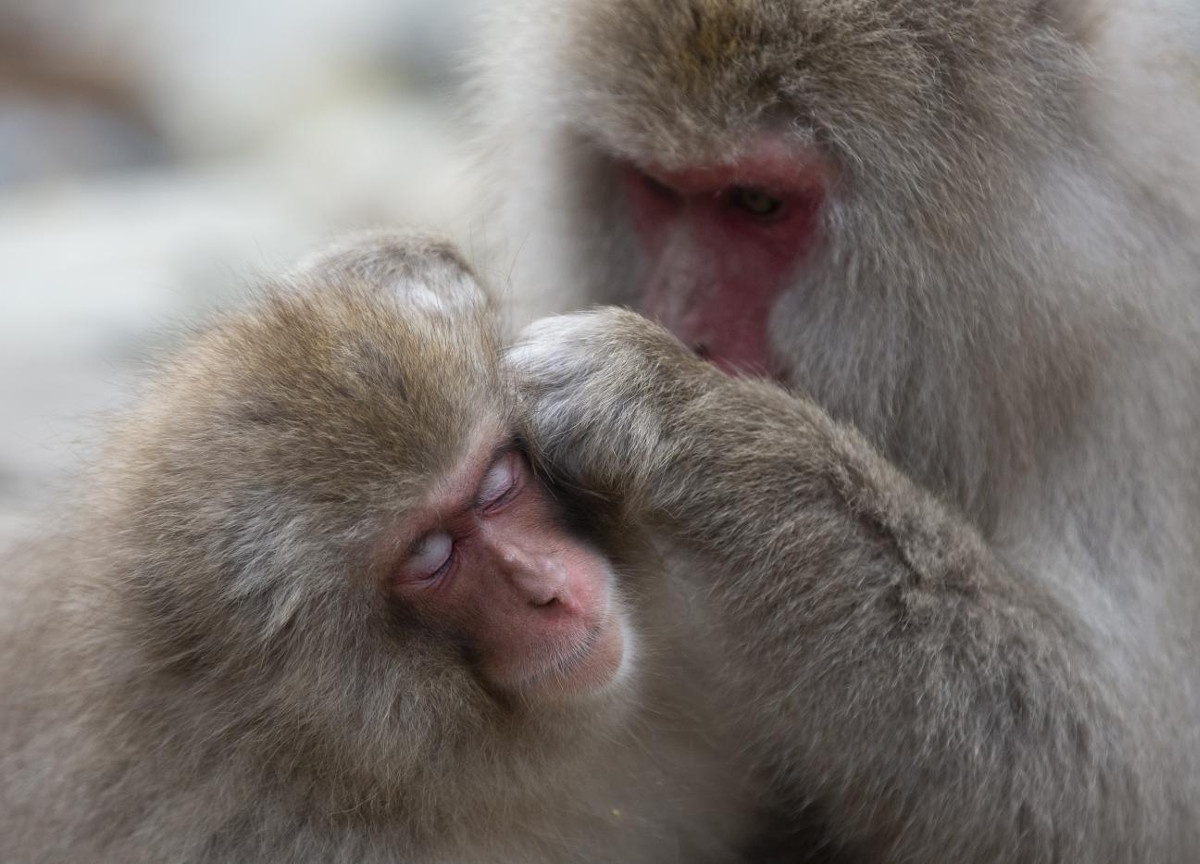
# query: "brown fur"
{"type": "Point", "coordinates": [207, 667]}
{"type": "Point", "coordinates": [967, 553]}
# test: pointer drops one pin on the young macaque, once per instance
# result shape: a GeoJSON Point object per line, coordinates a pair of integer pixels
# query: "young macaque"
{"type": "Point", "coordinates": [317, 606]}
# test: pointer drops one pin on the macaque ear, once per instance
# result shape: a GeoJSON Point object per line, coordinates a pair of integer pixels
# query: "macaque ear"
{"type": "Point", "coordinates": [420, 269]}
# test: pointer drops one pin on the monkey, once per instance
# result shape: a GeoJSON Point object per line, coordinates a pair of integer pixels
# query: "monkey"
{"type": "Point", "coordinates": [317, 605]}
{"type": "Point", "coordinates": [943, 500]}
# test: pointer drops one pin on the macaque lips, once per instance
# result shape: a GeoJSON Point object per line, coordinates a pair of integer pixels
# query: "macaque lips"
{"type": "Point", "coordinates": [721, 242]}
{"type": "Point", "coordinates": [588, 670]}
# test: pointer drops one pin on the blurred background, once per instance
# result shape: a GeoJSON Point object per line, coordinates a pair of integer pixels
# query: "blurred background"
{"type": "Point", "coordinates": [156, 154]}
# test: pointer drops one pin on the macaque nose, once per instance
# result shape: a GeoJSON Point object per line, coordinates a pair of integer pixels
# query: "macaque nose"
{"type": "Point", "coordinates": [540, 579]}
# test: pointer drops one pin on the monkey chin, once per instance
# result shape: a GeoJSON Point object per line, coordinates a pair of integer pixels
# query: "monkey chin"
{"type": "Point", "coordinates": [595, 669]}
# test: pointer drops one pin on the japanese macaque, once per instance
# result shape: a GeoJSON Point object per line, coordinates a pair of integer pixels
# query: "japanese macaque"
{"type": "Point", "coordinates": [318, 607]}
{"type": "Point", "coordinates": [951, 534]}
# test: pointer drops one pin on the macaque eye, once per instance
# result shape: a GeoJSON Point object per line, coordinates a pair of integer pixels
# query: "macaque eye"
{"type": "Point", "coordinates": [658, 188]}
{"type": "Point", "coordinates": [500, 482]}
{"type": "Point", "coordinates": [755, 201]}
{"type": "Point", "coordinates": [431, 556]}
{"type": "Point", "coordinates": [650, 186]}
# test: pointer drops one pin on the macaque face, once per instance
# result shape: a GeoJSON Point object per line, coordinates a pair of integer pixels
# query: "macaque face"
{"type": "Point", "coordinates": [486, 558]}
{"type": "Point", "coordinates": [376, 449]}
{"type": "Point", "coordinates": [721, 242]}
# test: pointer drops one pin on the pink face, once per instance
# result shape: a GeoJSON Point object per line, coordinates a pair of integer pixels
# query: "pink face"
{"type": "Point", "coordinates": [722, 241]}
{"type": "Point", "coordinates": [486, 557]}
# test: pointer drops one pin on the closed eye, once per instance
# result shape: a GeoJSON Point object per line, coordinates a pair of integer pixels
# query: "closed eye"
{"type": "Point", "coordinates": [501, 483]}
{"type": "Point", "coordinates": [431, 557]}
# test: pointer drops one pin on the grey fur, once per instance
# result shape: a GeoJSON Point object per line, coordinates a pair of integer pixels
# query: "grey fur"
{"type": "Point", "coordinates": [205, 665]}
{"type": "Point", "coordinates": [958, 571]}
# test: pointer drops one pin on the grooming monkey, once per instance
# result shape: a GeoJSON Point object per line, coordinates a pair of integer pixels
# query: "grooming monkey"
{"type": "Point", "coordinates": [955, 536]}
{"type": "Point", "coordinates": [318, 607]}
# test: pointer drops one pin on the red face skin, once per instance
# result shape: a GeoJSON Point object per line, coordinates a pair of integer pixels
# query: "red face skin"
{"type": "Point", "coordinates": [722, 241]}
{"type": "Point", "coordinates": [487, 558]}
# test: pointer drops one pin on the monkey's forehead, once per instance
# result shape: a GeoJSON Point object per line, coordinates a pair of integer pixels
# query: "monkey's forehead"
{"type": "Point", "coordinates": [412, 269]}
{"type": "Point", "coordinates": [685, 79]}
{"type": "Point", "coordinates": [354, 385]}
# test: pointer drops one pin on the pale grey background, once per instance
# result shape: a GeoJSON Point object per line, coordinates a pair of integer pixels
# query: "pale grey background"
{"type": "Point", "coordinates": [155, 154]}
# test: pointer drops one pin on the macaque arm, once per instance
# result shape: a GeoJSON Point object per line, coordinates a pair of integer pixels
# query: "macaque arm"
{"type": "Point", "coordinates": [937, 701]}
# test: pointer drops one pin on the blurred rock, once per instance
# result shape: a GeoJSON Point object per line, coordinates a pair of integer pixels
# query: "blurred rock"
{"type": "Point", "coordinates": [217, 75]}
{"type": "Point", "coordinates": [155, 157]}
{"type": "Point", "coordinates": [43, 138]}
{"type": "Point", "coordinates": [94, 276]}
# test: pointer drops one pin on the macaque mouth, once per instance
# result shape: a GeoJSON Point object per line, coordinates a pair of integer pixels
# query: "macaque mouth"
{"type": "Point", "coordinates": [736, 368]}
{"type": "Point", "coordinates": [588, 667]}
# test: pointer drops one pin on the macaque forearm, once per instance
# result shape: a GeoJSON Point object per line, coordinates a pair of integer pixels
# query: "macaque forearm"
{"type": "Point", "coordinates": [939, 703]}
{"type": "Point", "coordinates": [892, 628]}
{"type": "Point", "coordinates": [796, 485]}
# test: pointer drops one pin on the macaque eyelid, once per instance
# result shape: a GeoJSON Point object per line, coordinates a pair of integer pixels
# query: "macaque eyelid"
{"type": "Point", "coordinates": [657, 187]}
{"type": "Point", "coordinates": [501, 483]}
{"type": "Point", "coordinates": [651, 184]}
{"type": "Point", "coordinates": [430, 557]}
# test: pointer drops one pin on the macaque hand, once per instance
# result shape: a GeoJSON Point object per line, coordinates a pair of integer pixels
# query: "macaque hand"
{"type": "Point", "coordinates": [601, 393]}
